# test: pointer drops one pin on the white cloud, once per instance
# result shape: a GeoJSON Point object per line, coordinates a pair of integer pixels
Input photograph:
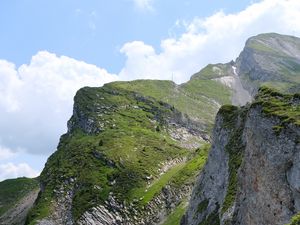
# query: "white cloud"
{"type": "Point", "coordinates": [36, 99]}
{"type": "Point", "coordinates": [10, 170]}
{"type": "Point", "coordinates": [218, 38]}
{"type": "Point", "coordinates": [144, 4]}
{"type": "Point", "coordinates": [6, 153]}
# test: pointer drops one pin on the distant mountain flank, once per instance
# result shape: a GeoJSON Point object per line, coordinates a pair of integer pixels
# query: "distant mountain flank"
{"type": "Point", "coordinates": [17, 196]}
{"type": "Point", "coordinates": [134, 150]}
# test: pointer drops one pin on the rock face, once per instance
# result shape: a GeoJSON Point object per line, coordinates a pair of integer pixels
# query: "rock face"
{"type": "Point", "coordinates": [252, 173]}
{"type": "Point", "coordinates": [17, 196]}
{"type": "Point", "coordinates": [17, 215]}
{"type": "Point", "coordinates": [154, 213]}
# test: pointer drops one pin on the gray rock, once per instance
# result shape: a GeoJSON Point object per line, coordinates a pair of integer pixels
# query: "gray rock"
{"type": "Point", "coordinates": [267, 188]}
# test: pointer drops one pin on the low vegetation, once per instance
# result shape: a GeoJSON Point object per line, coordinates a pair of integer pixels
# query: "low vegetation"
{"type": "Point", "coordinates": [13, 190]}
{"type": "Point", "coordinates": [285, 107]}
{"type": "Point", "coordinates": [119, 153]}
{"type": "Point", "coordinates": [295, 220]}
{"type": "Point", "coordinates": [233, 120]}
{"type": "Point", "coordinates": [175, 217]}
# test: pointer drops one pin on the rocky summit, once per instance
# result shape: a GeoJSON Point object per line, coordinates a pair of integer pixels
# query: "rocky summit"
{"type": "Point", "coordinates": [221, 148]}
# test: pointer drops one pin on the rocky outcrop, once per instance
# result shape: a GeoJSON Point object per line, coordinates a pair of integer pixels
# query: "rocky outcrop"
{"type": "Point", "coordinates": [62, 207]}
{"type": "Point", "coordinates": [17, 214]}
{"type": "Point", "coordinates": [115, 213]}
{"type": "Point", "coordinates": [252, 173]}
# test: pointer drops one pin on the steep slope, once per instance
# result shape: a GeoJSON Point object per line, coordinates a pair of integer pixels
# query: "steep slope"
{"type": "Point", "coordinates": [159, 127]}
{"type": "Point", "coordinates": [126, 159]}
{"type": "Point", "coordinates": [267, 59]}
{"type": "Point", "coordinates": [252, 174]}
{"type": "Point", "coordinates": [16, 198]}
{"type": "Point", "coordinates": [133, 149]}
{"type": "Point", "coordinates": [225, 74]}
{"type": "Point", "coordinates": [272, 60]}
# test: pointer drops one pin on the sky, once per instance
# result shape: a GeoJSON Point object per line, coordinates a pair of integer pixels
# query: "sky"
{"type": "Point", "coordinates": [50, 49]}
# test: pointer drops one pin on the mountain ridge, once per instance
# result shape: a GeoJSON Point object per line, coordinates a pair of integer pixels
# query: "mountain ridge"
{"type": "Point", "coordinates": [141, 144]}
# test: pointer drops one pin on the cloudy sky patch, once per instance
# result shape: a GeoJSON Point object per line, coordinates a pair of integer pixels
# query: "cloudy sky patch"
{"type": "Point", "coordinates": [44, 59]}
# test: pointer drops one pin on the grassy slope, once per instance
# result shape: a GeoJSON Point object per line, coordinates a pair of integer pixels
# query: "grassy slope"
{"type": "Point", "coordinates": [176, 215]}
{"type": "Point", "coordinates": [282, 106]}
{"type": "Point", "coordinates": [129, 149]}
{"type": "Point", "coordinates": [196, 98]}
{"type": "Point", "coordinates": [13, 190]}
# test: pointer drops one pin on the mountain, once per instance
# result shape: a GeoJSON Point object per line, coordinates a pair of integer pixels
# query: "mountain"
{"type": "Point", "coordinates": [252, 173]}
{"type": "Point", "coordinates": [134, 150]}
{"type": "Point", "coordinates": [131, 154]}
{"type": "Point", "coordinates": [17, 197]}
{"type": "Point", "coordinates": [127, 158]}
{"type": "Point", "coordinates": [272, 60]}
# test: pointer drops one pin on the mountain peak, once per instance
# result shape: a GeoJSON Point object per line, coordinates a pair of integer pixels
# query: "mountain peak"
{"type": "Point", "coordinates": [273, 43]}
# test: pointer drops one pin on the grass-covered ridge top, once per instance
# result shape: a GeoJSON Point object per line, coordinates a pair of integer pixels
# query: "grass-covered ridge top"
{"type": "Point", "coordinates": [118, 139]}
{"type": "Point", "coordinates": [199, 98]}
{"type": "Point", "coordinates": [286, 107]}
{"type": "Point", "coordinates": [13, 190]}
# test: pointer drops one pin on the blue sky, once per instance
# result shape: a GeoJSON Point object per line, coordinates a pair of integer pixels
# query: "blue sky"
{"type": "Point", "coordinates": [94, 30]}
{"type": "Point", "coordinates": [50, 49]}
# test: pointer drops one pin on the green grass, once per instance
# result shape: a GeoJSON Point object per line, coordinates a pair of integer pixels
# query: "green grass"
{"type": "Point", "coordinates": [212, 219]}
{"type": "Point", "coordinates": [191, 169]}
{"type": "Point", "coordinates": [295, 220]}
{"type": "Point", "coordinates": [212, 71]}
{"type": "Point", "coordinates": [157, 89]}
{"type": "Point", "coordinates": [175, 217]}
{"type": "Point", "coordinates": [285, 107]}
{"type": "Point", "coordinates": [42, 209]}
{"type": "Point", "coordinates": [177, 176]}
{"type": "Point", "coordinates": [262, 47]}
{"type": "Point", "coordinates": [118, 159]}
{"type": "Point", "coordinates": [209, 88]}
{"type": "Point", "coordinates": [202, 206]}
{"type": "Point", "coordinates": [233, 121]}
{"type": "Point", "coordinates": [13, 190]}
{"type": "Point", "coordinates": [194, 98]}
{"type": "Point", "coordinates": [147, 194]}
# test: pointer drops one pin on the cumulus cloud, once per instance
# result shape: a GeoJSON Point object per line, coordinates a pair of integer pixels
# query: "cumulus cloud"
{"type": "Point", "coordinates": [10, 170]}
{"type": "Point", "coordinates": [36, 99]}
{"type": "Point", "coordinates": [6, 153]}
{"type": "Point", "coordinates": [144, 4]}
{"type": "Point", "coordinates": [217, 38]}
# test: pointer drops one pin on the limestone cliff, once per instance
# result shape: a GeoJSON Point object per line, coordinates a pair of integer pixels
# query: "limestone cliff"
{"type": "Point", "coordinates": [252, 173]}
